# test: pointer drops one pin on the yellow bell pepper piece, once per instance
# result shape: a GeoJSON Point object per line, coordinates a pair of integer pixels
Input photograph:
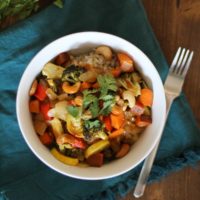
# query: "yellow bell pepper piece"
{"type": "Point", "coordinates": [96, 147]}
{"type": "Point", "coordinates": [64, 159]}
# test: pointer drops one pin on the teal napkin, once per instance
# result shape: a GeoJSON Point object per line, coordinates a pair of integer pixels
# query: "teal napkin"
{"type": "Point", "coordinates": [22, 175]}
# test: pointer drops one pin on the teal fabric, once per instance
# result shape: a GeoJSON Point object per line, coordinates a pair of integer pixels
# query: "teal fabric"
{"type": "Point", "coordinates": [22, 175]}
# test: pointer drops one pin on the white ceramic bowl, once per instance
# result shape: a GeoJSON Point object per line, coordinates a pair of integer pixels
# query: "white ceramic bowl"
{"type": "Point", "coordinates": [83, 41]}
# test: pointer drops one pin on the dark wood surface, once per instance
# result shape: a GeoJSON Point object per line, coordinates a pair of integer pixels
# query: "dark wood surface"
{"type": "Point", "coordinates": [177, 23]}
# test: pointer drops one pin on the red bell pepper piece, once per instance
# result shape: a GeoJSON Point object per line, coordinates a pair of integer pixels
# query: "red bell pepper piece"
{"type": "Point", "coordinates": [75, 142]}
{"type": "Point", "coordinates": [107, 122]}
{"type": "Point", "coordinates": [44, 108]}
{"type": "Point", "coordinates": [40, 92]}
{"type": "Point", "coordinates": [46, 139]}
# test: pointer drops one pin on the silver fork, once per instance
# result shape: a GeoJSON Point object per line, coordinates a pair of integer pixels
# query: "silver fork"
{"type": "Point", "coordinates": [173, 86]}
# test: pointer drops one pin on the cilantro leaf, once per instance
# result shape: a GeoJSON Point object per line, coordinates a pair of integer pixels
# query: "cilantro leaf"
{"type": "Point", "coordinates": [105, 93]}
{"type": "Point", "coordinates": [107, 105]}
{"type": "Point", "coordinates": [90, 101]}
{"type": "Point", "coordinates": [95, 125]}
{"type": "Point", "coordinates": [107, 83]}
{"type": "Point", "coordinates": [94, 108]}
{"type": "Point", "coordinates": [73, 110]}
{"type": "Point", "coordinates": [108, 87]}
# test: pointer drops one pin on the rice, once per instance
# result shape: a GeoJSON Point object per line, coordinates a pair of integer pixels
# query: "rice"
{"type": "Point", "coordinates": [93, 59]}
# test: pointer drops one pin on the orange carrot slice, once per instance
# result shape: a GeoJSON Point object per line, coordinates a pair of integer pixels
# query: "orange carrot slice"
{"type": "Point", "coordinates": [117, 120]}
{"type": "Point", "coordinates": [116, 133]}
{"type": "Point", "coordinates": [146, 97]}
{"type": "Point", "coordinates": [126, 63]}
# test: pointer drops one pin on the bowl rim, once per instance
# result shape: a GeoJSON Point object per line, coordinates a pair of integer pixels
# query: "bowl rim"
{"type": "Point", "coordinates": [19, 119]}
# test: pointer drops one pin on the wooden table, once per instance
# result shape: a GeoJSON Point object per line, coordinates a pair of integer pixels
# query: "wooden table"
{"type": "Point", "coordinates": [177, 23]}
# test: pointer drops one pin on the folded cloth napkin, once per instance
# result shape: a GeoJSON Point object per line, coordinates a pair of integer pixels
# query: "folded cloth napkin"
{"type": "Point", "coordinates": [22, 175]}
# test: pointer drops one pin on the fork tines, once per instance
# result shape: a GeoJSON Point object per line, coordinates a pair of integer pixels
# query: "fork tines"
{"type": "Point", "coordinates": [181, 62]}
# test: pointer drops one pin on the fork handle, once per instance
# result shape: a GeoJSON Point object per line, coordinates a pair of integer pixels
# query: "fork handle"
{"type": "Point", "coordinates": [148, 163]}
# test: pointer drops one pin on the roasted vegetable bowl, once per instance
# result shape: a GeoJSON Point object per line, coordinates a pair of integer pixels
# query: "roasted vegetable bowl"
{"type": "Point", "coordinates": [91, 107]}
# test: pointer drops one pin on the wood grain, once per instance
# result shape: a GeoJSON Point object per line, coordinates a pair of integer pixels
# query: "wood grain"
{"type": "Point", "coordinates": [177, 23]}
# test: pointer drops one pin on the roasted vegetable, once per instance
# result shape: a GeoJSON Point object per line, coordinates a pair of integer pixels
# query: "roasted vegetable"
{"type": "Point", "coordinates": [34, 106]}
{"type": "Point", "coordinates": [56, 127]}
{"type": "Point", "coordinates": [52, 85]}
{"type": "Point", "coordinates": [96, 160]}
{"type": "Point", "coordinates": [40, 92]}
{"type": "Point", "coordinates": [46, 139]}
{"type": "Point", "coordinates": [40, 127]}
{"type": "Point", "coordinates": [143, 120]}
{"type": "Point", "coordinates": [117, 121]}
{"type": "Point", "coordinates": [96, 147]}
{"type": "Point", "coordinates": [73, 141]}
{"type": "Point", "coordinates": [126, 81]}
{"type": "Point", "coordinates": [59, 110]}
{"type": "Point", "coordinates": [74, 125]}
{"type": "Point", "coordinates": [51, 94]}
{"type": "Point", "coordinates": [126, 63]}
{"type": "Point", "coordinates": [146, 97]}
{"type": "Point", "coordinates": [44, 109]}
{"type": "Point", "coordinates": [116, 133]}
{"type": "Point", "coordinates": [52, 71]}
{"type": "Point", "coordinates": [64, 159]}
{"type": "Point", "coordinates": [123, 151]}
{"type": "Point", "coordinates": [93, 129]}
{"type": "Point", "coordinates": [72, 73]}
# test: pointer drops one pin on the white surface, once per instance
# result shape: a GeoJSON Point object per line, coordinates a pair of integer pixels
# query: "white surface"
{"type": "Point", "coordinates": [86, 40]}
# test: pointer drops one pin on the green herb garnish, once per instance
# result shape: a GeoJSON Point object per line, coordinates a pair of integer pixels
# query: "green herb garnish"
{"type": "Point", "coordinates": [105, 93]}
{"type": "Point", "coordinates": [107, 83]}
{"type": "Point", "coordinates": [90, 101]}
{"type": "Point", "coordinates": [108, 87]}
{"type": "Point", "coordinates": [73, 110]}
